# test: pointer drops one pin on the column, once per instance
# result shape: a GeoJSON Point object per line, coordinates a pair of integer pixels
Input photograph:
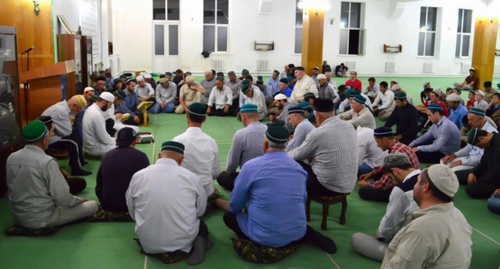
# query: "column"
{"type": "Point", "coordinates": [483, 55]}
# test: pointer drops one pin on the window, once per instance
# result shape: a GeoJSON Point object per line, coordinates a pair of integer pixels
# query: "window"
{"type": "Point", "coordinates": [298, 28]}
{"type": "Point", "coordinates": [162, 12]}
{"type": "Point", "coordinates": [463, 33]}
{"type": "Point", "coordinates": [427, 34]}
{"type": "Point", "coordinates": [215, 25]}
{"type": "Point", "coordinates": [351, 32]}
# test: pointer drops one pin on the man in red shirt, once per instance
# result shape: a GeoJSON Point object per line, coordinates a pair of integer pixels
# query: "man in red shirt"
{"type": "Point", "coordinates": [354, 82]}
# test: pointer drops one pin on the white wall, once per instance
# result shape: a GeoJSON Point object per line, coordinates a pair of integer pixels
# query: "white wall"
{"type": "Point", "coordinates": [132, 35]}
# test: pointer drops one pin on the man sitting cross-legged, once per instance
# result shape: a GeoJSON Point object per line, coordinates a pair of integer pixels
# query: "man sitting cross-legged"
{"type": "Point", "coordinates": [166, 202]}
{"type": "Point", "coordinates": [398, 213]}
{"type": "Point", "coordinates": [275, 197]}
{"type": "Point", "coordinates": [116, 170]}
{"type": "Point", "coordinates": [302, 127]}
{"type": "Point", "coordinates": [380, 190]}
{"type": "Point", "coordinates": [246, 145]}
{"type": "Point", "coordinates": [38, 193]}
{"type": "Point", "coordinates": [201, 154]}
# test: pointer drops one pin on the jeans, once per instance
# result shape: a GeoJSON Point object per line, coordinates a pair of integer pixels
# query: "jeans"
{"type": "Point", "coordinates": [364, 169]}
{"type": "Point", "coordinates": [156, 108]}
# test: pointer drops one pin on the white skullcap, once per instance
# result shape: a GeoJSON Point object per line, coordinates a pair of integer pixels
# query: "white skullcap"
{"type": "Point", "coordinates": [147, 76]}
{"type": "Point", "coordinates": [107, 96]}
{"type": "Point", "coordinates": [321, 76]}
{"type": "Point", "coordinates": [88, 89]}
{"type": "Point", "coordinates": [280, 96]}
{"type": "Point", "coordinates": [139, 78]}
{"type": "Point", "coordinates": [453, 97]}
{"type": "Point", "coordinates": [444, 179]}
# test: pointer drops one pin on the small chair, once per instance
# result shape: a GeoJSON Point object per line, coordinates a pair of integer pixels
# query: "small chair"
{"type": "Point", "coordinates": [326, 202]}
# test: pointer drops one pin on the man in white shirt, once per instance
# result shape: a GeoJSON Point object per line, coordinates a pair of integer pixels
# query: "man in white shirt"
{"type": "Point", "coordinates": [96, 140]}
{"type": "Point", "coordinates": [304, 85]}
{"type": "Point", "coordinates": [369, 154]}
{"type": "Point", "coordinates": [252, 95]}
{"type": "Point", "coordinates": [399, 209]}
{"type": "Point", "coordinates": [166, 202]}
{"type": "Point", "coordinates": [372, 89]}
{"type": "Point", "coordinates": [144, 90]}
{"type": "Point", "coordinates": [201, 155]}
{"type": "Point", "coordinates": [220, 100]}
{"type": "Point", "coordinates": [386, 98]}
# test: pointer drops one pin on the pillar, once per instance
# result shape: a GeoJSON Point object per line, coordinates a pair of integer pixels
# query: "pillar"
{"type": "Point", "coordinates": [483, 54]}
{"type": "Point", "coordinates": [312, 39]}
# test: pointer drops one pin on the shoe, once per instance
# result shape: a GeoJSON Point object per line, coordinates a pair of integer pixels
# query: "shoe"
{"type": "Point", "coordinates": [80, 172]}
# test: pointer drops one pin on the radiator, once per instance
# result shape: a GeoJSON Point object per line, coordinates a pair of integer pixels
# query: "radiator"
{"type": "Point", "coordinates": [390, 67]}
{"type": "Point", "coordinates": [427, 67]}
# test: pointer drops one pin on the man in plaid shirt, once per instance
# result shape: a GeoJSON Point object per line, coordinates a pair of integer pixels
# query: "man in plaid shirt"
{"type": "Point", "coordinates": [381, 189]}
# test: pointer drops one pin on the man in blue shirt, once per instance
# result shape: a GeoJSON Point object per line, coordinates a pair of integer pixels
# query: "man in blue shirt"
{"type": "Point", "coordinates": [274, 196]}
{"type": "Point", "coordinates": [273, 82]}
{"type": "Point", "coordinates": [457, 111]}
{"type": "Point", "coordinates": [283, 87]}
{"type": "Point", "coordinates": [130, 103]}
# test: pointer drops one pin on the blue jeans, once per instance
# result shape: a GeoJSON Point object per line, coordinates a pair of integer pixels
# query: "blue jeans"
{"type": "Point", "coordinates": [155, 109]}
{"type": "Point", "coordinates": [364, 169]}
{"type": "Point", "coordinates": [494, 204]}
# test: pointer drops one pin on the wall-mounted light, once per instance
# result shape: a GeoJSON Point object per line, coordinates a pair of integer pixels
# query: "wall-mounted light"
{"type": "Point", "coordinates": [36, 8]}
{"type": "Point", "coordinates": [316, 5]}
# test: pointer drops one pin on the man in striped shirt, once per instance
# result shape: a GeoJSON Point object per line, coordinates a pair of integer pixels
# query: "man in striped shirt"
{"type": "Point", "coordinates": [334, 164]}
{"type": "Point", "coordinates": [381, 189]}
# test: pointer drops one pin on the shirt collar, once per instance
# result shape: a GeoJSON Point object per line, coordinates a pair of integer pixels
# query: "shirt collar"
{"type": "Point", "coordinates": [441, 121]}
{"type": "Point", "coordinates": [439, 208]}
{"type": "Point", "coordinates": [410, 175]}
{"type": "Point", "coordinates": [167, 161]}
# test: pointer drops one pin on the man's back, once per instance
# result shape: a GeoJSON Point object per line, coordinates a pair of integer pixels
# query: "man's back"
{"type": "Point", "coordinates": [201, 156]}
{"type": "Point", "coordinates": [247, 144]}
{"type": "Point", "coordinates": [114, 175]}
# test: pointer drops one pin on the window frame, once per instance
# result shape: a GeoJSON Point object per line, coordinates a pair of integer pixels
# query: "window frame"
{"type": "Point", "coordinates": [461, 34]}
{"type": "Point", "coordinates": [347, 28]}
{"type": "Point", "coordinates": [296, 28]}
{"type": "Point", "coordinates": [428, 32]}
{"type": "Point", "coordinates": [216, 25]}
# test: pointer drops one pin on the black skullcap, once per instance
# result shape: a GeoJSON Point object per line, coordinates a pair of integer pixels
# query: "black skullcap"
{"type": "Point", "coordinates": [173, 146]}
{"type": "Point", "coordinates": [323, 105]}
{"type": "Point", "coordinates": [125, 137]}
{"type": "Point", "coordinates": [277, 134]}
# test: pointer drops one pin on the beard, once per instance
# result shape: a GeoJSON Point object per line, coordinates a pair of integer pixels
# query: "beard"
{"type": "Point", "coordinates": [104, 108]}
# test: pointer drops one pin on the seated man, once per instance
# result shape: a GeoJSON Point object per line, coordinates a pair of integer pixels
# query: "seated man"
{"type": "Point", "coordinates": [144, 90]}
{"type": "Point", "coordinates": [328, 175]}
{"type": "Point", "coordinates": [325, 90]}
{"type": "Point", "coordinates": [370, 155]}
{"type": "Point", "coordinates": [457, 111]}
{"type": "Point", "coordinates": [201, 154]}
{"type": "Point", "coordinates": [190, 93]}
{"type": "Point", "coordinates": [283, 87]}
{"type": "Point", "coordinates": [129, 105]}
{"type": "Point", "coordinates": [341, 70]}
{"type": "Point", "coordinates": [345, 105]}
{"type": "Point", "coordinates": [166, 92]}
{"type": "Point", "coordinates": [96, 140]}
{"type": "Point", "coordinates": [116, 113]}
{"type": "Point", "coordinates": [302, 127]}
{"type": "Point", "coordinates": [208, 84]}
{"type": "Point", "coordinates": [304, 85]}
{"type": "Point", "coordinates": [234, 84]}
{"type": "Point", "coordinates": [480, 102]}
{"type": "Point", "coordinates": [359, 114]}
{"type": "Point", "coordinates": [246, 145]}
{"type": "Point", "coordinates": [484, 178]}
{"type": "Point", "coordinates": [399, 210]}
{"type": "Point", "coordinates": [443, 138]}
{"type": "Point", "coordinates": [174, 202]}
{"type": "Point", "coordinates": [220, 100]}
{"type": "Point", "coordinates": [470, 82]}
{"type": "Point", "coordinates": [252, 95]}
{"type": "Point", "coordinates": [494, 202]}
{"type": "Point", "coordinates": [438, 234]}
{"type": "Point", "coordinates": [116, 170]}
{"type": "Point", "coordinates": [372, 89]}
{"type": "Point", "coordinates": [39, 195]}
{"type": "Point", "coordinates": [463, 161]}
{"type": "Point", "coordinates": [274, 81]}
{"type": "Point", "coordinates": [64, 137]}
{"type": "Point", "coordinates": [276, 220]}
{"type": "Point", "coordinates": [386, 100]}
{"type": "Point", "coordinates": [380, 190]}
{"type": "Point", "coordinates": [405, 116]}
{"type": "Point", "coordinates": [281, 102]}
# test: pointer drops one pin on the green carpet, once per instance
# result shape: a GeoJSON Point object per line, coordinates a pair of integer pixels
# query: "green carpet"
{"type": "Point", "coordinates": [111, 245]}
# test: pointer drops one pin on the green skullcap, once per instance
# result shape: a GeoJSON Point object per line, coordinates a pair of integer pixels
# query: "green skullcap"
{"type": "Point", "coordinates": [276, 72]}
{"type": "Point", "coordinates": [478, 111]}
{"type": "Point", "coordinates": [249, 108]}
{"type": "Point", "coordinates": [277, 134]}
{"type": "Point", "coordinates": [198, 109]}
{"type": "Point", "coordinates": [34, 131]}
{"type": "Point", "coordinates": [400, 96]}
{"type": "Point", "coordinates": [359, 99]}
{"type": "Point", "coordinates": [245, 72]}
{"type": "Point", "coordinates": [121, 94]}
{"type": "Point", "coordinates": [173, 146]}
{"type": "Point", "coordinates": [246, 86]}
{"type": "Point", "coordinates": [284, 80]}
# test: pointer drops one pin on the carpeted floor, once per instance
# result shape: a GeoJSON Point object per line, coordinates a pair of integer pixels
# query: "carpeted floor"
{"type": "Point", "coordinates": [111, 245]}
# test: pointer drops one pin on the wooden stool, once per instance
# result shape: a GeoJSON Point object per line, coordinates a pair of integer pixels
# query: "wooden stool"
{"type": "Point", "coordinates": [146, 116]}
{"type": "Point", "coordinates": [326, 202]}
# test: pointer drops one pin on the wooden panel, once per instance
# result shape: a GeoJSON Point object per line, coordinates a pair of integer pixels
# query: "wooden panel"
{"type": "Point", "coordinates": [483, 54]}
{"type": "Point", "coordinates": [42, 94]}
{"type": "Point", "coordinates": [312, 40]}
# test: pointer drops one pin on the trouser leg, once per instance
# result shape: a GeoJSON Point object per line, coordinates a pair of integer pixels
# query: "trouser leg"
{"type": "Point", "coordinates": [430, 157]}
{"type": "Point", "coordinates": [371, 194]}
{"type": "Point", "coordinates": [232, 223]}
{"type": "Point", "coordinates": [480, 190]}
{"type": "Point", "coordinates": [63, 215]}
{"type": "Point", "coordinates": [76, 185]}
{"type": "Point", "coordinates": [73, 151]}
{"type": "Point", "coordinates": [227, 180]}
{"type": "Point", "coordinates": [368, 246]}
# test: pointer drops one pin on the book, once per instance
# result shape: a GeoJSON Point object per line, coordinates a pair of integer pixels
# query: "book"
{"type": "Point", "coordinates": [145, 137]}
{"type": "Point", "coordinates": [145, 105]}
{"type": "Point", "coordinates": [125, 117]}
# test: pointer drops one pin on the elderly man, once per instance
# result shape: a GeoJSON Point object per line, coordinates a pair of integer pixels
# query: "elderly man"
{"type": "Point", "coordinates": [304, 85]}
{"type": "Point", "coordinates": [87, 93]}
{"type": "Point", "coordinates": [234, 84]}
{"type": "Point", "coordinates": [405, 117]}
{"type": "Point", "coordinates": [220, 100]}
{"type": "Point", "coordinates": [359, 115]}
{"type": "Point", "coordinates": [284, 89]}
{"type": "Point", "coordinates": [202, 153]}
{"type": "Point", "coordinates": [370, 155]}
{"type": "Point", "coordinates": [149, 79]}
{"type": "Point", "coordinates": [246, 145]}
{"type": "Point", "coordinates": [457, 111]}
{"type": "Point", "coordinates": [281, 102]}
{"type": "Point", "coordinates": [172, 203]}
{"type": "Point", "coordinates": [328, 175]}
{"type": "Point", "coordinates": [438, 234]}
{"type": "Point", "coordinates": [252, 95]}
{"type": "Point", "coordinates": [144, 90]}
{"type": "Point", "coordinates": [301, 126]}
{"type": "Point", "coordinates": [38, 193]}
{"type": "Point", "coordinates": [399, 210]}
{"type": "Point", "coordinates": [463, 161]}
{"type": "Point", "coordinates": [380, 190]}
{"type": "Point", "coordinates": [64, 137]}
{"type": "Point", "coordinates": [353, 82]}
{"type": "Point", "coordinates": [273, 82]}
{"type": "Point", "coordinates": [386, 100]}
{"type": "Point", "coordinates": [208, 84]}
{"type": "Point", "coordinates": [326, 91]}
{"type": "Point", "coordinates": [190, 93]}
{"type": "Point", "coordinates": [345, 105]}
{"type": "Point", "coordinates": [276, 220]}
{"type": "Point", "coordinates": [96, 140]}
{"type": "Point", "coordinates": [483, 179]}
{"type": "Point", "coordinates": [442, 139]}
{"type": "Point", "coordinates": [166, 92]}
{"type": "Point", "coordinates": [113, 177]}
{"type": "Point", "coordinates": [396, 88]}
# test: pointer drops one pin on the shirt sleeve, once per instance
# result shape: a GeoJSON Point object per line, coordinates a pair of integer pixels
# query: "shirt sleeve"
{"type": "Point", "coordinates": [100, 132]}
{"type": "Point", "coordinates": [172, 95]}
{"type": "Point", "coordinates": [130, 194]}
{"type": "Point", "coordinates": [234, 155]}
{"type": "Point", "coordinates": [211, 98]}
{"type": "Point", "coordinates": [394, 215]}
{"type": "Point", "coordinates": [241, 192]}
{"type": "Point", "coordinates": [410, 252]}
{"type": "Point", "coordinates": [436, 144]}
{"type": "Point", "coordinates": [229, 95]}
{"type": "Point", "coordinates": [158, 94]}
{"type": "Point", "coordinates": [201, 197]}
{"type": "Point", "coordinates": [63, 124]}
{"type": "Point", "coordinates": [151, 91]}
{"type": "Point", "coordinates": [306, 150]}
{"type": "Point", "coordinates": [377, 100]}
{"type": "Point", "coordinates": [424, 138]}
{"type": "Point", "coordinates": [58, 187]}
{"type": "Point", "coordinates": [390, 100]}
{"type": "Point", "coordinates": [216, 170]}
